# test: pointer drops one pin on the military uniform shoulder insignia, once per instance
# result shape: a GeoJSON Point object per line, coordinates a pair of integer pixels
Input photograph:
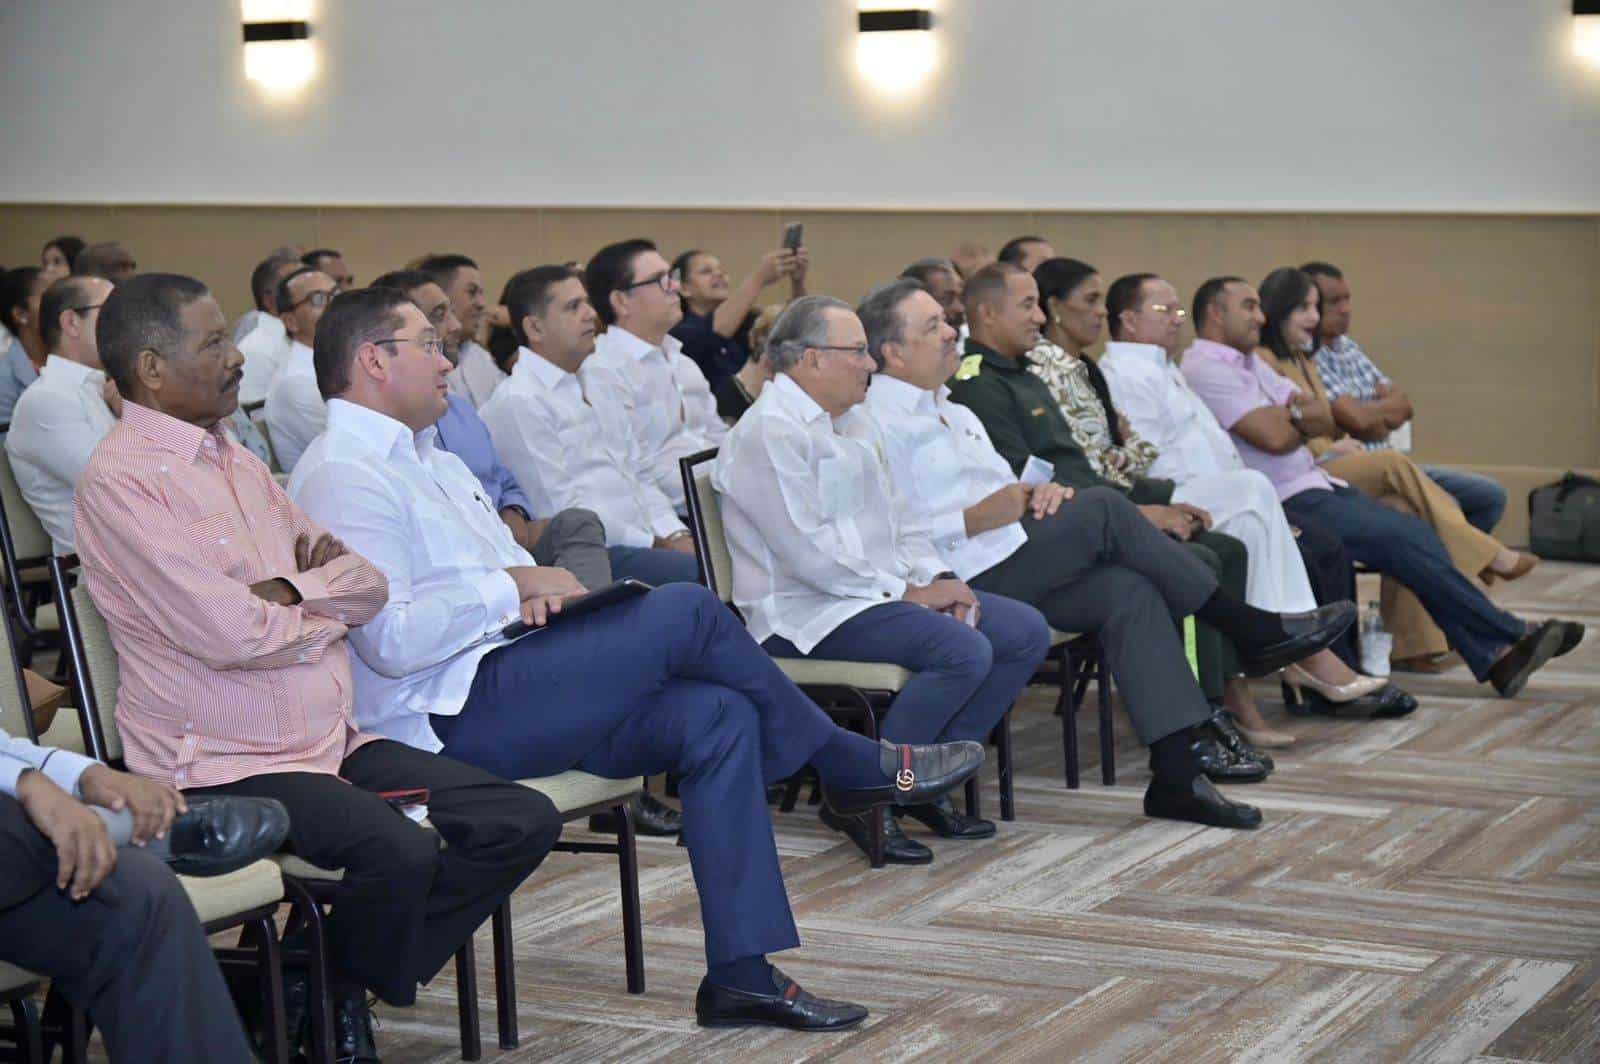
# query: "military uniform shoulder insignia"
{"type": "Point", "coordinates": [969, 368]}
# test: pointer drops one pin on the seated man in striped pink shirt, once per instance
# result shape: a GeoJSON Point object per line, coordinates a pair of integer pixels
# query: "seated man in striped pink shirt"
{"type": "Point", "coordinates": [229, 610]}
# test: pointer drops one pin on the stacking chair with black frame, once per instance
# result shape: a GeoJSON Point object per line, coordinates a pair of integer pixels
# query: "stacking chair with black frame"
{"type": "Point", "coordinates": [309, 888]}
{"type": "Point", "coordinates": [24, 549]}
{"type": "Point", "coordinates": [247, 899]}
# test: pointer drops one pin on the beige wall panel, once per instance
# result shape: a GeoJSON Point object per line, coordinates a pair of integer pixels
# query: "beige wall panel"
{"type": "Point", "coordinates": [24, 228]}
{"type": "Point", "coordinates": [377, 240]}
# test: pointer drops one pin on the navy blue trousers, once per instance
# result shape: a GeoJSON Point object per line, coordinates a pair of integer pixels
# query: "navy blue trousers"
{"type": "Point", "coordinates": [670, 681]}
{"type": "Point", "coordinates": [653, 565]}
{"type": "Point", "coordinates": [965, 679]}
{"type": "Point", "coordinates": [1409, 550]}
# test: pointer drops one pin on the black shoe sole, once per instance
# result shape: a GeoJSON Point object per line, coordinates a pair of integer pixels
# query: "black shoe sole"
{"type": "Point", "coordinates": [1543, 651]}
{"type": "Point", "coordinates": [846, 1026]}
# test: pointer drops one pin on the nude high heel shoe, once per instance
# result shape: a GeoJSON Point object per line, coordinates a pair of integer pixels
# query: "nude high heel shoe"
{"type": "Point", "coordinates": [1298, 678]}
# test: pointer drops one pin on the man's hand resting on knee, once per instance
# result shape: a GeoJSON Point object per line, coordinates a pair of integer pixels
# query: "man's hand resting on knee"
{"type": "Point", "coordinates": [84, 851]}
{"type": "Point", "coordinates": [946, 596]}
{"type": "Point", "coordinates": [542, 589]}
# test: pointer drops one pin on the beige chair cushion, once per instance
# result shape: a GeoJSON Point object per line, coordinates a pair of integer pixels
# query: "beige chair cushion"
{"type": "Point", "coordinates": [576, 790]}
{"type": "Point", "coordinates": [290, 865]}
{"type": "Point", "coordinates": [1057, 637]}
{"type": "Point", "coordinates": [66, 733]}
{"type": "Point", "coordinates": [868, 675]}
{"type": "Point", "coordinates": [13, 978]}
{"type": "Point", "coordinates": [46, 619]}
{"type": "Point", "coordinates": [217, 897]}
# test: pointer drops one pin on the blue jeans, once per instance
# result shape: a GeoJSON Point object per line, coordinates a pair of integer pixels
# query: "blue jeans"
{"type": "Point", "coordinates": [1409, 550]}
{"type": "Point", "coordinates": [1482, 499]}
{"type": "Point", "coordinates": [653, 565]}
{"type": "Point", "coordinates": [668, 681]}
{"type": "Point", "coordinates": [965, 679]}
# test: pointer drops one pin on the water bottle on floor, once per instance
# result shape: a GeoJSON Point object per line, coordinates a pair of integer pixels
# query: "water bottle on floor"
{"type": "Point", "coordinates": [1376, 643]}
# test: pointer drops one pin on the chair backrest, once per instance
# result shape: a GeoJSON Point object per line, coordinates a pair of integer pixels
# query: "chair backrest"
{"type": "Point", "coordinates": [705, 524]}
{"type": "Point", "coordinates": [16, 713]}
{"type": "Point", "coordinates": [86, 640]}
{"type": "Point", "coordinates": [22, 537]}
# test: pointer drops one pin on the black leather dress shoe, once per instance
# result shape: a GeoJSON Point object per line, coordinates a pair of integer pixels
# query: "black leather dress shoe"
{"type": "Point", "coordinates": [1527, 656]}
{"type": "Point", "coordinates": [912, 775]}
{"type": "Point", "coordinates": [222, 834]}
{"type": "Point", "coordinates": [1222, 728]}
{"type": "Point", "coordinates": [651, 816]}
{"type": "Point", "coordinates": [1198, 802]}
{"type": "Point", "coordinates": [1305, 634]}
{"type": "Point", "coordinates": [1387, 702]}
{"type": "Point", "coordinates": [1571, 636]}
{"type": "Point", "coordinates": [787, 1006]}
{"type": "Point", "coordinates": [897, 848]}
{"type": "Point", "coordinates": [946, 821]}
{"type": "Point", "coordinates": [1223, 766]}
{"type": "Point", "coordinates": [353, 1042]}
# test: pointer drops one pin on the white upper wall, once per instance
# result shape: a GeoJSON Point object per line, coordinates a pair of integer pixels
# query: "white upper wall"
{"type": "Point", "coordinates": [1181, 104]}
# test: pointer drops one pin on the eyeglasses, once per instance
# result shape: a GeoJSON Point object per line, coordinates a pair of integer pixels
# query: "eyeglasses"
{"type": "Point", "coordinates": [859, 351]}
{"type": "Point", "coordinates": [1169, 309]}
{"type": "Point", "coordinates": [319, 298]}
{"type": "Point", "coordinates": [433, 345]}
{"type": "Point", "coordinates": [664, 281]}
{"type": "Point", "coordinates": [86, 309]}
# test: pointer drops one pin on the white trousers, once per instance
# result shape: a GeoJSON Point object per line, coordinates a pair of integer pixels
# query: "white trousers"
{"type": "Point", "coordinates": [1243, 504]}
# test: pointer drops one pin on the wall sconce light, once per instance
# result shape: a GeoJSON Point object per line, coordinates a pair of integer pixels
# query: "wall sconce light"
{"type": "Point", "coordinates": [277, 53]}
{"type": "Point", "coordinates": [896, 51]}
{"type": "Point", "coordinates": [1586, 31]}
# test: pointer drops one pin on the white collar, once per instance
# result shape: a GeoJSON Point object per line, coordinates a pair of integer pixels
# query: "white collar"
{"type": "Point", "coordinates": [1154, 354]}
{"type": "Point", "coordinates": [71, 373]}
{"type": "Point", "coordinates": [626, 343]}
{"type": "Point", "coordinates": [896, 394]}
{"type": "Point", "coordinates": [795, 398]}
{"type": "Point", "coordinates": [378, 432]}
{"type": "Point", "coordinates": [272, 325]}
{"type": "Point", "coordinates": [532, 364]}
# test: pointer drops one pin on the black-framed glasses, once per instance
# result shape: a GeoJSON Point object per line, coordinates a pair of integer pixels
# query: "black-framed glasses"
{"type": "Point", "coordinates": [664, 281]}
{"type": "Point", "coordinates": [86, 308]}
{"type": "Point", "coordinates": [433, 345]}
{"type": "Point", "coordinates": [320, 298]}
{"type": "Point", "coordinates": [860, 351]}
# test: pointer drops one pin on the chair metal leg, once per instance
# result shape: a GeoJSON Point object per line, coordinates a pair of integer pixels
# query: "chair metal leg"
{"type": "Point", "coordinates": [319, 1002]}
{"type": "Point", "coordinates": [632, 924]}
{"type": "Point", "coordinates": [505, 978]}
{"type": "Point", "coordinates": [974, 807]}
{"type": "Point", "coordinates": [1108, 728]}
{"type": "Point", "coordinates": [1067, 707]}
{"type": "Point", "coordinates": [467, 1001]}
{"type": "Point", "coordinates": [274, 1023]}
{"type": "Point", "coordinates": [791, 793]}
{"type": "Point", "coordinates": [26, 1030]}
{"type": "Point", "coordinates": [1002, 747]}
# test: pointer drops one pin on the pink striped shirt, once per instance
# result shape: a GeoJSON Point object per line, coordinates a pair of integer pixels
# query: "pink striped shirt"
{"type": "Point", "coordinates": [174, 523]}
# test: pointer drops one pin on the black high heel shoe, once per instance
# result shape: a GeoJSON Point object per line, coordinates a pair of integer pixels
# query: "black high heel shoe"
{"type": "Point", "coordinates": [1386, 703]}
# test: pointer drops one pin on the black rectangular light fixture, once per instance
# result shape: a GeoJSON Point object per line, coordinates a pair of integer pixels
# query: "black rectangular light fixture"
{"type": "Point", "coordinates": [276, 31]}
{"type": "Point", "coordinates": [891, 21]}
{"type": "Point", "coordinates": [1586, 7]}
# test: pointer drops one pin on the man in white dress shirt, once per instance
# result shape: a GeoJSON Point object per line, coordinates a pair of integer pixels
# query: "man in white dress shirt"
{"type": "Point", "coordinates": [475, 375]}
{"type": "Point", "coordinates": [571, 444]}
{"type": "Point", "coordinates": [265, 346]}
{"type": "Point", "coordinates": [663, 392]}
{"type": "Point", "coordinates": [824, 567]}
{"type": "Point", "coordinates": [1088, 559]}
{"type": "Point", "coordinates": [666, 681]}
{"type": "Point", "coordinates": [63, 415]}
{"type": "Point", "coordinates": [295, 410]}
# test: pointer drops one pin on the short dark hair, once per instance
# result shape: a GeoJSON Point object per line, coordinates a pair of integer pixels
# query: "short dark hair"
{"type": "Point", "coordinates": [96, 260]}
{"type": "Point", "coordinates": [281, 295]}
{"type": "Point", "coordinates": [407, 281]}
{"type": "Point", "coordinates": [988, 284]}
{"type": "Point", "coordinates": [1058, 278]}
{"type": "Point", "coordinates": [1207, 294]}
{"type": "Point", "coordinates": [69, 246]}
{"type": "Point", "coordinates": [14, 286]}
{"type": "Point", "coordinates": [353, 318]}
{"type": "Point", "coordinates": [1323, 269]}
{"type": "Point", "coordinates": [1283, 290]}
{"type": "Point", "coordinates": [66, 294]}
{"type": "Point", "coordinates": [145, 313]}
{"type": "Point", "coordinates": [528, 292]}
{"type": "Point", "coordinates": [316, 255]}
{"type": "Point", "coordinates": [264, 278]}
{"type": "Point", "coordinates": [880, 314]}
{"type": "Point", "coordinates": [1012, 251]}
{"type": "Point", "coordinates": [1125, 293]}
{"type": "Point", "coordinates": [442, 266]}
{"type": "Point", "coordinates": [612, 269]}
{"type": "Point", "coordinates": [924, 269]}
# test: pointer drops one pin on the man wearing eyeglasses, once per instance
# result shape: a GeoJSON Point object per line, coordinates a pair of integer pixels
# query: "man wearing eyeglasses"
{"type": "Point", "coordinates": [636, 359]}
{"type": "Point", "coordinates": [62, 416]}
{"type": "Point", "coordinates": [295, 411]}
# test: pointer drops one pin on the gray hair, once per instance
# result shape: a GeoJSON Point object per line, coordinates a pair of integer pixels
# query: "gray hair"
{"type": "Point", "coordinates": [880, 314]}
{"type": "Point", "coordinates": [922, 268]}
{"type": "Point", "coordinates": [803, 324]}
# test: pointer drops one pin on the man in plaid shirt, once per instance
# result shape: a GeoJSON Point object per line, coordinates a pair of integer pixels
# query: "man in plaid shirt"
{"type": "Point", "coordinates": [1369, 406]}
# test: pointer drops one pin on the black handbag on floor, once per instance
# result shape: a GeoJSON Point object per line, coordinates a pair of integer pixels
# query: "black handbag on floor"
{"type": "Point", "coordinates": [1564, 519]}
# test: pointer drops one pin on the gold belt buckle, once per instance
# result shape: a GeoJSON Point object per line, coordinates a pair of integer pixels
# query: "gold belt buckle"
{"type": "Point", "coordinates": [905, 779]}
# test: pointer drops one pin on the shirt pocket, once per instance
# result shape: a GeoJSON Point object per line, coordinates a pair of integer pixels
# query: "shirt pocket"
{"type": "Point", "coordinates": [216, 541]}
{"type": "Point", "coordinates": [841, 492]}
